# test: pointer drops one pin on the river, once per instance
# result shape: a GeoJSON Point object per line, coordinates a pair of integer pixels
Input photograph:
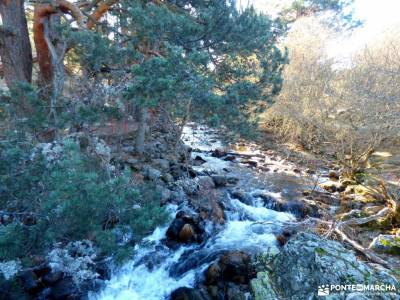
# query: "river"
{"type": "Point", "coordinates": [156, 270]}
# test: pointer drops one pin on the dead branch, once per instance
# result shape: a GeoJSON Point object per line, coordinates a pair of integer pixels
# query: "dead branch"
{"type": "Point", "coordinates": [337, 228]}
{"type": "Point", "coordinates": [101, 9]}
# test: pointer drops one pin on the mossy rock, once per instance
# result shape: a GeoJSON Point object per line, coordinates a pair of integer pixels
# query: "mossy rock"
{"type": "Point", "coordinates": [261, 287]}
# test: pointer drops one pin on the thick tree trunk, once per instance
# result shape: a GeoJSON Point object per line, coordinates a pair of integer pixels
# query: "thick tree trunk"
{"type": "Point", "coordinates": [141, 133]}
{"type": "Point", "coordinates": [15, 47]}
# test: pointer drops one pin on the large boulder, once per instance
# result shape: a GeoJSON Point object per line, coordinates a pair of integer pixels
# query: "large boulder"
{"type": "Point", "coordinates": [308, 262]}
{"type": "Point", "coordinates": [185, 229]}
{"type": "Point", "coordinates": [386, 243]}
{"type": "Point", "coordinates": [233, 267]}
{"type": "Point", "coordinates": [228, 277]}
{"type": "Point", "coordinates": [185, 293]}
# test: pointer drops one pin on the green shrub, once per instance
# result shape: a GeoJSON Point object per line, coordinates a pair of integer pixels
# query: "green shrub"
{"type": "Point", "coordinates": [73, 198]}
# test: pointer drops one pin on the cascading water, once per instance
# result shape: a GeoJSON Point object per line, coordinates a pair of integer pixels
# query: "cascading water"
{"type": "Point", "coordinates": [157, 270]}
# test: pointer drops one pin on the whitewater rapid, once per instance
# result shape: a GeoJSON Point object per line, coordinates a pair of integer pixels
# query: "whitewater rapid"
{"type": "Point", "coordinates": [156, 270]}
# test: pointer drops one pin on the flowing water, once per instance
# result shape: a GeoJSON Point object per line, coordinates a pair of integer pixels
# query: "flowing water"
{"type": "Point", "coordinates": [157, 270]}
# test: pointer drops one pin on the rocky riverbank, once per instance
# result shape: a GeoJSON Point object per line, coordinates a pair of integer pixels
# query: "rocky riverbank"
{"type": "Point", "coordinates": [234, 231]}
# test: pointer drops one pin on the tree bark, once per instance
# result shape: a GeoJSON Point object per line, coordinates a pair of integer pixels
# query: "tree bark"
{"type": "Point", "coordinates": [15, 47]}
{"type": "Point", "coordinates": [141, 133]}
{"type": "Point", "coordinates": [42, 15]}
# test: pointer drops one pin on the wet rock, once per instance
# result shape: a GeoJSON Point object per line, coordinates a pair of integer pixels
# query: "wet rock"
{"type": "Point", "coordinates": [265, 196]}
{"type": "Point", "coordinates": [251, 163]}
{"type": "Point", "coordinates": [332, 186]}
{"type": "Point", "coordinates": [242, 196]}
{"type": "Point", "coordinates": [308, 261]}
{"type": "Point", "coordinates": [205, 182]}
{"type": "Point", "coordinates": [218, 153]}
{"type": "Point", "coordinates": [219, 180]}
{"type": "Point", "coordinates": [229, 158]}
{"type": "Point", "coordinates": [386, 243]}
{"type": "Point", "coordinates": [233, 267]}
{"type": "Point", "coordinates": [299, 208]}
{"type": "Point", "coordinates": [264, 168]}
{"type": "Point", "coordinates": [192, 173]}
{"type": "Point", "coordinates": [198, 161]}
{"type": "Point", "coordinates": [213, 273]}
{"type": "Point", "coordinates": [310, 171]}
{"type": "Point", "coordinates": [185, 293]}
{"type": "Point", "coordinates": [232, 180]}
{"type": "Point", "coordinates": [187, 233]}
{"type": "Point", "coordinates": [185, 229]}
{"type": "Point", "coordinates": [282, 239]}
{"type": "Point", "coordinates": [333, 175]}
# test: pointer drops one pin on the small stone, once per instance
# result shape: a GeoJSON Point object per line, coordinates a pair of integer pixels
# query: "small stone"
{"type": "Point", "coordinates": [218, 153]}
{"type": "Point", "coordinates": [251, 163]}
{"type": "Point", "coordinates": [333, 175]}
{"type": "Point", "coordinates": [161, 164]}
{"type": "Point", "coordinates": [229, 158]}
{"type": "Point", "coordinates": [167, 177]}
{"type": "Point", "coordinates": [205, 182]}
{"type": "Point", "coordinates": [264, 169]}
{"type": "Point", "coordinates": [282, 240]}
{"type": "Point", "coordinates": [132, 161]}
{"type": "Point", "coordinates": [198, 161]}
{"type": "Point", "coordinates": [151, 173]}
{"type": "Point", "coordinates": [219, 180]}
{"type": "Point", "coordinates": [232, 180]}
{"type": "Point", "coordinates": [242, 196]}
{"type": "Point", "coordinates": [310, 171]}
